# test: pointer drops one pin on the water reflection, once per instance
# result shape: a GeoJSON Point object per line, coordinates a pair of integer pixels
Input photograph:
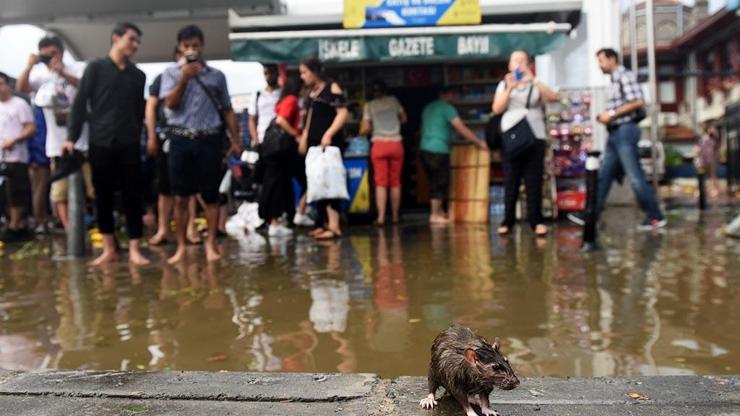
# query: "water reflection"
{"type": "Point", "coordinates": [647, 304]}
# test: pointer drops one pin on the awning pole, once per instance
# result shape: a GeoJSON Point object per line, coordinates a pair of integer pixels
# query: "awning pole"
{"type": "Point", "coordinates": [633, 36]}
{"type": "Point", "coordinates": [654, 106]}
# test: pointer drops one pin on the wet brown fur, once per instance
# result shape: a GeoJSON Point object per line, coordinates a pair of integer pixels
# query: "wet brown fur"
{"type": "Point", "coordinates": [459, 376]}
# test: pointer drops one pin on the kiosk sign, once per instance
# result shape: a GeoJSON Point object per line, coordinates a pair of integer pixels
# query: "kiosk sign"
{"type": "Point", "coordinates": [403, 13]}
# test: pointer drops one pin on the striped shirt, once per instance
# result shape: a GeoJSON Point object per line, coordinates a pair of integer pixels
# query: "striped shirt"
{"type": "Point", "coordinates": [196, 110]}
{"type": "Point", "coordinates": [623, 89]}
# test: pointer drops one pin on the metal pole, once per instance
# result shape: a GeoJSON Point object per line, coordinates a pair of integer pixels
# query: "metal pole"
{"type": "Point", "coordinates": [590, 239]}
{"type": "Point", "coordinates": [76, 241]}
{"type": "Point", "coordinates": [633, 37]}
{"type": "Point", "coordinates": [653, 82]}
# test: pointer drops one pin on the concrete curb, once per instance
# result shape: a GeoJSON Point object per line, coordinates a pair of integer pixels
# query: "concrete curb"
{"type": "Point", "coordinates": [195, 393]}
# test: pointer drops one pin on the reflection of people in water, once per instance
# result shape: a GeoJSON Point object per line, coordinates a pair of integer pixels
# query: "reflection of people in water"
{"type": "Point", "coordinates": [305, 342]}
{"type": "Point", "coordinates": [388, 331]}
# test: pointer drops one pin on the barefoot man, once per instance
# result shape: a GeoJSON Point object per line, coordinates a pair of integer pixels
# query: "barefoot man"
{"type": "Point", "coordinates": [111, 99]}
{"type": "Point", "coordinates": [199, 113]}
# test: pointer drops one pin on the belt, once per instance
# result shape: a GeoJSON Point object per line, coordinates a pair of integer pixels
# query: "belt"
{"type": "Point", "coordinates": [192, 133]}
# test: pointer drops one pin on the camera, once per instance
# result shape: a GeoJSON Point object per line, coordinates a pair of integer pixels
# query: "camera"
{"type": "Point", "coordinates": [45, 59]}
{"type": "Point", "coordinates": [191, 57]}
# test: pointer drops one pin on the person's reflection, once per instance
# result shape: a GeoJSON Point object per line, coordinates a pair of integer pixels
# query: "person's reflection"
{"type": "Point", "coordinates": [304, 341]}
{"type": "Point", "coordinates": [389, 330]}
{"type": "Point", "coordinates": [330, 306]}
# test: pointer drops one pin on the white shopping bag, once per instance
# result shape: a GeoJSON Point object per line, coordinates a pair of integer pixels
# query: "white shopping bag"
{"type": "Point", "coordinates": [325, 174]}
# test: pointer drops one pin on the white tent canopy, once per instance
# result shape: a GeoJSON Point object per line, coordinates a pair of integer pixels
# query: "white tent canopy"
{"type": "Point", "coordinates": [85, 25]}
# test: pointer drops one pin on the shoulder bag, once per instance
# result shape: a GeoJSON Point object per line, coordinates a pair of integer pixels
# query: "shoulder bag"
{"type": "Point", "coordinates": [520, 138]}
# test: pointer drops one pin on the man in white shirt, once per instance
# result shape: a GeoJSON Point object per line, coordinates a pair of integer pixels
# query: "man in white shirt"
{"type": "Point", "coordinates": [54, 86]}
{"type": "Point", "coordinates": [17, 125]}
{"type": "Point", "coordinates": [262, 108]}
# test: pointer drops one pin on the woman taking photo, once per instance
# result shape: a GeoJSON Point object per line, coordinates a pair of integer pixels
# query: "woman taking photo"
{"type": "Point", "coordinates": [276, 198]}
{"type": "Point", "coordinates": [521, 97]}
{"type": "Point", "coordinates": [326, 114]}
{"type": "Point", "coordinates": [384, 116]}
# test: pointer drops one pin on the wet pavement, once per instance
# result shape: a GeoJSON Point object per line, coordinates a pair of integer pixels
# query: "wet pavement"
{"type": "Point", "coordinates": [648, 304]}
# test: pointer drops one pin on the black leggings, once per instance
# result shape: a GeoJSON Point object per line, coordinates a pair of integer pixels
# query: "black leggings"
{"type": "Point", "coordinates": [276, 197]}
{"type": "Point", "coordinates": [335, 204]}
{"type": "Point", "coordinates": [113, 168]}
{"type": "Point", "coordinates": [529, 166]}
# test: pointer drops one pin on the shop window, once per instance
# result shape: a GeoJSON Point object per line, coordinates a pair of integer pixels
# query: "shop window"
{"type": "Point", "coordinates": [667, 92]}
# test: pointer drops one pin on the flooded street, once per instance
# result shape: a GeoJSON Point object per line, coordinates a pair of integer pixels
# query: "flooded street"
{"type": "Point", "coordinates": [648, 304]}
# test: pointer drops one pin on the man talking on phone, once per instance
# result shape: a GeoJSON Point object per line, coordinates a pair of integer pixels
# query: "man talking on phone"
{"type": "Point", "coordinates": [199, 114]}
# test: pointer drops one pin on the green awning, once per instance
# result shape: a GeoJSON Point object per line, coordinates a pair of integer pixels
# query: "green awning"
{"type": "Point", "coordinates": [485, 42]}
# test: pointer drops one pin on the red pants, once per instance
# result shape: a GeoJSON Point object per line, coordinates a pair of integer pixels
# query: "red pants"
{"type": "Point", "coordinates": [387, 158]}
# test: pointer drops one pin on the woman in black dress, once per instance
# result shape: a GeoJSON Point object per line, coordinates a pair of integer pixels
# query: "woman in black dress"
{"type": "Point", "coordinates": [325, 118]}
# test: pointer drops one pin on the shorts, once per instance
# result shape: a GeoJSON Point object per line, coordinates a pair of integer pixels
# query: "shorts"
{"type": "Point", "coordinates": [17, 184]}
{"type": "Point", "coordinates": [387, 158]}
{"type": "Point", "coordinates": [60, 188]}
{"type": "Point", "coordinates": [162, 174]}
{"type": "Point", "coordinates": [437, 168]}
{"type": "Point", "coordinates": [195, 166]}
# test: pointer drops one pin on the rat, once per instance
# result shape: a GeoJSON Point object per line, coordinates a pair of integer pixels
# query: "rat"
{"type": "Point", "coordinates": [468, 367]}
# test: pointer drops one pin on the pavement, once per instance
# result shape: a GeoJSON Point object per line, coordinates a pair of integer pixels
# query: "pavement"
{"type": "Point", "coordinates": [43, 393]}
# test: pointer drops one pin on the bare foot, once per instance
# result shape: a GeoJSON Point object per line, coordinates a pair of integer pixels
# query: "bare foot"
{"type": "Point", "coordinates": [438, 219]}
{"type": "Point", "coordinates": [178, 256]}
{"type": "Point", "coordinates": [428, 402]}
{"type": "Point", "coordinates": [503, 230]}
{"type": "Point", "coordinates": [105, 258]}
{"type": "Point", "coordinates": [212, 253]}
{"type": "Point", "coordinates": [540, 230]}
{"type": "Point", "coordinates": [316, 232]}
{"type": "Point", "coordinates": [158, 239]}
{"type": "Point", "coordinates": [136, 259]}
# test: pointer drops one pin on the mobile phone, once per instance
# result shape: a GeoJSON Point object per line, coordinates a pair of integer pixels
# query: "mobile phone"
{"type": "Point", "coordinates": [191, 57]}
{"type": "Point", "coordinates": [518, 74]}
{"type": "Point", "coordinates": [45, 59]}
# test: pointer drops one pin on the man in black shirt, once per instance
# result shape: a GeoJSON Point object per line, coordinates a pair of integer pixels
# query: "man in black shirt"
{"type": "Point", "coordinates": [111, 99]}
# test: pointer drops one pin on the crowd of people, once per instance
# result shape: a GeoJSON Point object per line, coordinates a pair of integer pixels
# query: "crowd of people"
{"type": "Point", "coordinates": [91, 117]}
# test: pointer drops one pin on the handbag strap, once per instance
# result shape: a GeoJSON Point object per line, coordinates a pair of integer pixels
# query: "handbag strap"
{"type": "Point", "coordinates": [219, 108]}
{"type": "Point", "coordinates": [529, 95]}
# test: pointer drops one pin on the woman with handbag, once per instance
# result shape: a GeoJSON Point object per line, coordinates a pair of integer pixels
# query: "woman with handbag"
{"type": "Point", "coordinates": [520, 99]}
{"type": "Point", "coordinates": [280, 146]}
{"type": "Point", "coordinates": [325, 118]}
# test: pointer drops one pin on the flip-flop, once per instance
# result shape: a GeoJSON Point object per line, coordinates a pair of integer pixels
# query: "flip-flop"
{"type": "Point", "coordinates": [334, 235]}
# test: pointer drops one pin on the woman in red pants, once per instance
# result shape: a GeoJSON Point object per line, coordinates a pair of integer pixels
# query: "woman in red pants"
{"type": "Point", "coordinates": [384, 116]}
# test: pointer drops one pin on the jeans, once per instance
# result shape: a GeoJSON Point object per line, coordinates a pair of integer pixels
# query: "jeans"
{"type": "Point", "coordinates": [621, 155]}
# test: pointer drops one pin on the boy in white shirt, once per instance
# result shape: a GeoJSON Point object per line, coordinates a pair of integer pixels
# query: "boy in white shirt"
{"type": "Point", "coordinates": [17, 125]}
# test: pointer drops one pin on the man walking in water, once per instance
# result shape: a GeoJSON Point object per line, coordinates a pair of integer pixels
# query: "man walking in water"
{"type": "Point", "coordinates": [111, 98]}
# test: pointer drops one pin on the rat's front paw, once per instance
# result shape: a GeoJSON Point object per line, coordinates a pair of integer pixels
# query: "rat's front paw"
{"type": "Point", "coordinates": [490, 412]}
{"type": "Point", "coordinates": [428, 402]}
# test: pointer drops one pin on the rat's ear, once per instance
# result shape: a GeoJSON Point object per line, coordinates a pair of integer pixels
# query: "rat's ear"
{"type": "Point", "coordinates": [496, 344]}
{"type": "Point", "coordinates": [471, 357]}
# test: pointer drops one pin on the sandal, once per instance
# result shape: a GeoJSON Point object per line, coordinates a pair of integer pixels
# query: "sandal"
{"type": "Point", "coordinates": [328, 235]}
{"type": "Point", "coordinates": [316, 231]}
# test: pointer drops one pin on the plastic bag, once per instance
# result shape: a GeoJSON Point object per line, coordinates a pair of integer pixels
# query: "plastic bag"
{"type": "Point", "coordinates": [325, 174]}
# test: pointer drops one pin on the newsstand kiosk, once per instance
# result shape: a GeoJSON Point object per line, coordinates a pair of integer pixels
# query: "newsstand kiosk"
{"type": "Point", "coordinates": [414, 62]}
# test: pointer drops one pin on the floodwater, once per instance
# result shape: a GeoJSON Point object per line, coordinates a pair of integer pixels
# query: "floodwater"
{"type": "Point", "coordinates": [649, 303]}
